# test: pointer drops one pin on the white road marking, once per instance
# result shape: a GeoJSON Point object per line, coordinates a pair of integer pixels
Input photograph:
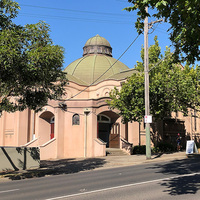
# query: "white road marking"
{"type": "Point", "coordinates": [122, 186]}
{"type": "Point", "coordinates": [8, 191]}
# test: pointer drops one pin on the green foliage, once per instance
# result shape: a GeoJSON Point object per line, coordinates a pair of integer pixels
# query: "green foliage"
{"type": "Point", "coordinates": [9, 10]}
{"type": "Point", "coordinates": [161, 147]}
{"type": "Point", "coordinates": [155, 150]}
{"type": "Point", "coordinates": [172, 88]}
{"type": "Point", "coordinates": [130, 106]}
{"type": "Point", "coordinates": [184, 18]}
{"type": "Point", "coordinates": [165, 147]}
{"type": "Point", "coordinates": [30, 65]}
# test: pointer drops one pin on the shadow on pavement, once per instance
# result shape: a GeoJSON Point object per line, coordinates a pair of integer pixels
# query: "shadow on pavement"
{"type": "Point", "coordinates": [158, 156]}
{"type": "Point", "coordinates": [68, 166]}
{"type": "Point", "coordinates": [64, 166]}
{"type": "Point", "coordinates": [180, 185]}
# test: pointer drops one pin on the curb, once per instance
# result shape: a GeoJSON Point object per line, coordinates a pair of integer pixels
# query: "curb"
{"type": "Point", "coordinates": [110, 162]}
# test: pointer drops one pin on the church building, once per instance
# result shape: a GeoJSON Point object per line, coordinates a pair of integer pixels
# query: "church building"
{"type": "Point", "coordinates": [81, 124]}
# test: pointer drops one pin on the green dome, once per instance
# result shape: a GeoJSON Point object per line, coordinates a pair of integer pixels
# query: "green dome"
{"type": "Point", "coordinates": [97, 40]}
{"type": "Point", "coordinates": [97, 63]}
{"type": "Point", "coordinates": [93, 68]}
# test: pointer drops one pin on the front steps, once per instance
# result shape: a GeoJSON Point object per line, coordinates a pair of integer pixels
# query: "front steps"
{"type": "Point", "coordinates": [115, 152]}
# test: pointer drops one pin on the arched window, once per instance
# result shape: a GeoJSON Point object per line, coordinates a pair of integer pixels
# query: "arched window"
{"type": "Point", "coordinates": [99, 50]}
{"type": "Point", "coordinates": [75, 119]}
{"type": "Point", "coordinates": [52, 120]}
{"type": "Point", "coordinates": [103, 118]}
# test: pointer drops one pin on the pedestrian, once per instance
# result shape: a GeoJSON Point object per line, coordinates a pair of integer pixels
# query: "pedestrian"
{"type": "Point", "coordinates": [178, 140]}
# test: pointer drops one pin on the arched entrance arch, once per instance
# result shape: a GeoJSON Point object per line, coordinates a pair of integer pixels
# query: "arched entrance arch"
{"type": "Point", "coordinates": [108, 129]}
{"type": "Point", "coordinates": [46, 126]}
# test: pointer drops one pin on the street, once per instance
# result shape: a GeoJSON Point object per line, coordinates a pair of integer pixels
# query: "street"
{"type": "Point", "coordinates": [178, 179]}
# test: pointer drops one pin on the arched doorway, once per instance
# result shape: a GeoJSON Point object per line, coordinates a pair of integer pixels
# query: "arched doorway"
{"type": "Point", "coordinates": [108, 131]}
{"type": "Point", "coordinates": [46, 126]}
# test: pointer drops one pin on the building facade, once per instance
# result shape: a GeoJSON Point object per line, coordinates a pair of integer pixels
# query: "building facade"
{"type": "Point", "coordinates": [81, 124]}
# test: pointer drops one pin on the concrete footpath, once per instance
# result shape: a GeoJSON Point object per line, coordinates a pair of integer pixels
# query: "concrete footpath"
{"type": "Point", "coordinates": [68, 166]}
{"type": "Point", "coordinates": [119, 161]}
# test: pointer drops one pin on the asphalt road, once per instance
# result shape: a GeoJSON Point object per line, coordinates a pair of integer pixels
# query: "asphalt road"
{"type": "Point", "coordinates": [179, 179]}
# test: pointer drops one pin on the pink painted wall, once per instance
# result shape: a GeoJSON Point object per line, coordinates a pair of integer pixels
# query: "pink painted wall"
{"type": "Point", "coordinates": [49, 150]}
{"type": "Point", "coordinates": [17, 129]}
{"type": "Point", "coordinates": [99, 148]}
{"type": "Point", "coordinates": [74, 135]}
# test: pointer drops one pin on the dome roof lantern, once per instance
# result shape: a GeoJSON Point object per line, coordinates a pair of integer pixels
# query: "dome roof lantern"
{"type": "Point", "coordinates": [97, 45]}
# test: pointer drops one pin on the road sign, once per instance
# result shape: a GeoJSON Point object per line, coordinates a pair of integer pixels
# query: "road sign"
{"type": "Point", "coordinates": [147, 119]}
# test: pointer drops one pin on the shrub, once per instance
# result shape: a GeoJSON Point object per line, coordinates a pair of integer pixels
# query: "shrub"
{"type": "Point", "coordinates": [155, 150]}
{"type": "Point", "coordinates": [165, 147]}
{"type": "Point", "coordinates": [161, 147]}
{"type": "Point", "coordinates": [139, 149]}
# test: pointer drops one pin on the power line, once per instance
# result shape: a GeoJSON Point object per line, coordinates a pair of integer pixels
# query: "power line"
{"type": "Point", "coordinates": [76, 19]}
{"type": "Point", "coordinates": [77, 11]}
{"type": "Point", "coordinates": [105, 71]}
{"type": "Point", "coordinates": [155, 65]}
{"type": "Point", "coordinates": [162, 31]}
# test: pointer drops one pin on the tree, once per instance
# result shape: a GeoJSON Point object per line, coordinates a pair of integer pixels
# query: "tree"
{"type": "Point", "coordinates": [172, 88]}
{"type": "Point", "coordinates": [30, 65]}
{"type": "Point", "coordinates": [184, 18]}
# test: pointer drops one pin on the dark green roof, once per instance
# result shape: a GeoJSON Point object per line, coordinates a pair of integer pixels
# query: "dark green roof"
{"type": "Point", "coordinates": [97, 64]}
{"type": "Point", "coordinates": [95, 68]}
{"type": "Point", "coordinates": [123, 75]}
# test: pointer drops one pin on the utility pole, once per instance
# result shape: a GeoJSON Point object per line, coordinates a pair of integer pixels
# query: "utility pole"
{"type": "Point", "coordinates": [146, 74]}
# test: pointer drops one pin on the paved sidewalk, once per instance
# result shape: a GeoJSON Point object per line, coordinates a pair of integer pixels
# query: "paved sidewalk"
{"type": "Point", "coordinates": [119, 161]}
{"type": "Point", "coordinates": [68, 166]}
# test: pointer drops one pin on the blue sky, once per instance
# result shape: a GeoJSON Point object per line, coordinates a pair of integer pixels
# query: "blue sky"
{"type": "Point", "coordinates": [73, 22]}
